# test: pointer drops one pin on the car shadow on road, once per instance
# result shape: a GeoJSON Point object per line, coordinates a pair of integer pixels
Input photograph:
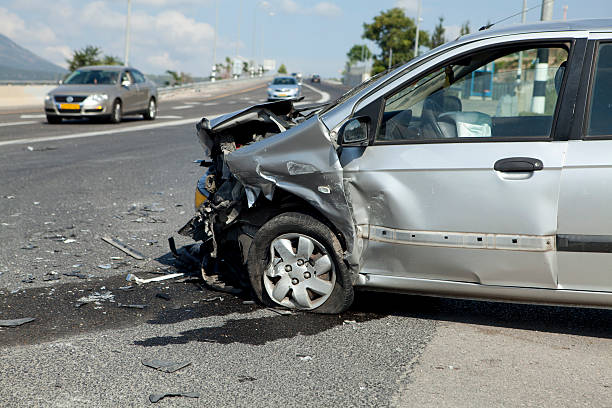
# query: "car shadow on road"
{"type": "Point", "coordinates": [554, 319]}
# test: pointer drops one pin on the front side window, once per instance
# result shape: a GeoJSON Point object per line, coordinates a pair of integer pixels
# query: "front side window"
{"type": "Point", "coordinates": [600, 115]}
{"type": "Point", "coordinates": [493, 94]}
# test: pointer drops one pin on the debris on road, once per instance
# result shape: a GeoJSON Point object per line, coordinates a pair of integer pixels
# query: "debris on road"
{"type": "Point", "coordinates": [156, 397]}
{"type": "Point", "coordinates": [248, 302]}
{"type": "Point", "coordinates": [16, 322]}
{"type": "Point", "coordinates": [304, 357]}
{"type": "Point", "coordinates": [162, 296]}
{"type": "Point", "coordinates": [29, 247]}
{"type": "Point", "coordinates": [153, 208]}
{"type": "Point", "coordinates": [28, 279]}
{"type": "Point", "coordinates": [96, 298]}
{"type": "Point", "coordinates": [245, 378]}
{"type": "Point", "coordinates": [104, 266]}
{"type": "Point", "coordinates": [51, 276]}
{"type": "Point", "coordinates": [132, 306]}
{"type": "Point", "coordinates": [282, 312]}
{"type": "Point", "coordinates": [349, 322]}
{"type": "Point", "coordinates": [126, 288]}
{"type": "Point", "coordinates": [77, 275]}
{"type": "Point", "coordinates": [69, 241]}
{"type": "Point", "coordinates": [121, 246]}
{"type": "Point", "coordinates": [212, 299]}
{"type": "Point", "coordinates": [166, 366]}
{"type": "Point", "coordinates": [133, 278]}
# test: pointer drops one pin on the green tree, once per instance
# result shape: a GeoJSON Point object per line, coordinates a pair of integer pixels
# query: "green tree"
{"type": "Point", "coordinates": [89, 55]}
{"type": "Point", "coordinates": [465, 28]}
{"type": "Point", "coordinates": [437, 38]}
{"type": "Point", "coordinates": [176, 77]}
{"type": "Point", "coordinates": [392, 30]}
{"type": "Point", "coordinates": [111, 60]}
{"type": "Point", "coordinates": [282, 69]}
{"type": "Point", "coordinates": [359, 53]}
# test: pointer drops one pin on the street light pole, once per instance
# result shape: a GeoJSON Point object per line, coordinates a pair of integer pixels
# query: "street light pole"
{"type": "Point", "coordinates": [418, 24]}
{"type": "Point", "coordinates": [126, 56]}
{"type": "Point", "coordinates": [213, 73]}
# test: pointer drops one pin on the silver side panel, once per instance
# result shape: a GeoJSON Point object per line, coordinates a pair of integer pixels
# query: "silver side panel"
{"type": "Point", "coordinates": [585, 207]}
{"type": "Point", "coordinates": [486, 292]}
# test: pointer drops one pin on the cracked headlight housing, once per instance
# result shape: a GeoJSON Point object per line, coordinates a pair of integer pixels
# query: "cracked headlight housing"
{"type": "Point", "coordinates": [95, 99]}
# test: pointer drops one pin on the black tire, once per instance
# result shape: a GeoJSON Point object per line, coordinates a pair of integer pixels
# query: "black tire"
{"type": "Point", "coordinates": [53, 119]}
{"type": "Point", "coordinates": [292, 223]}
{"type": "Point", "coordinates": [116, 112]}
{"type": "Point", "coordinates": [151, 112]}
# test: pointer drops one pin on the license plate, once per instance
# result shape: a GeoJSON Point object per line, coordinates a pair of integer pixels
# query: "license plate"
{"type": "Point", "coordinates": [70, 106]}
{"type": "Point", "coordinates": [282, 94]}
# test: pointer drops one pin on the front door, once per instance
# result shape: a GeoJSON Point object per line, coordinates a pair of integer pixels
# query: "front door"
{"type": "Point", "coordinates": [462, 180]}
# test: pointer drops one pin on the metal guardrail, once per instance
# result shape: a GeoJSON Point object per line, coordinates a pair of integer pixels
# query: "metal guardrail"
{"type": "Point", "coordinates": [197, 85]}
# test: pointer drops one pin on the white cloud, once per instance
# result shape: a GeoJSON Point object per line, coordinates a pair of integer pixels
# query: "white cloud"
{"type": "Point", "coordinates": [327, 9]}
{"type": "Point", "coordinates": [410, 6]}
{"type": "Point", "coordinates": [57, 54]}
{"type": "Point", "coordinates": [15, 28]}
{"type": "Point", "coordinates": [162, 61]}
{"type": "Point", "coordinates": [289, 7]}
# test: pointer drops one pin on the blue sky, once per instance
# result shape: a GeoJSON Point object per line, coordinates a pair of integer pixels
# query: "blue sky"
{"type": "Point", "coordinates": [307, 36]}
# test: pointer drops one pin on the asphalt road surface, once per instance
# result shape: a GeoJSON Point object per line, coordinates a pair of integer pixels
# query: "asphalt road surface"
{"type": "Point", "coordinates": [64, 187]}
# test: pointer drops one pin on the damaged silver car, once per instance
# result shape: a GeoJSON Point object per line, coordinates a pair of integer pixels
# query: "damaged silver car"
{"type": "Point", "coordinates": [478, 170]}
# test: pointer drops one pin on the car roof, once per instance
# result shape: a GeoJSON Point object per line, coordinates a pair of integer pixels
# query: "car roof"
{"type": "Point", "coordinates": [594, 25]}
{"type": "Point", "coordinates": [284, 77]}
{"type": "Point", "coordinates": [104, 67]}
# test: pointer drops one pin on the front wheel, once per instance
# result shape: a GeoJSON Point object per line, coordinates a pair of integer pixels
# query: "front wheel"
{"type": "Point", "coordinates": [295, 261]}
{"type": "Point", "coordinates": [116, 112]}
{"type": "Point", "coordinates": [151, 111]}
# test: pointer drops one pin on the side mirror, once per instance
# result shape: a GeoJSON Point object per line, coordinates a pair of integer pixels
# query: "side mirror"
{"type": "Point", "coordinates": [126, 83]}
{"type": "Point", "coordinates": [355, 132]}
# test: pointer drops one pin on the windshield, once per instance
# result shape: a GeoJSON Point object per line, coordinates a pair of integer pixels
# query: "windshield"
{"type": "Point", "coordinates": [93, 77]}
{"type": "Point", "coordinates": [283, 81]}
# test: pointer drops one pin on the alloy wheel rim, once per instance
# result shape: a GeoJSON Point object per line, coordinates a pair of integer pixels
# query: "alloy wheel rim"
{"type": "Point", "coordinates": [152, 110]}
{"type": "Point", "coordinates": [117, 111]}
{"type": "Point", "coordinates": [301, 273]}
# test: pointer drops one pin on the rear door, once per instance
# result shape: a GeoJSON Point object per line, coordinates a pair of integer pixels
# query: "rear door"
{"type": "Point", "coordinates": [462, 180]}
{"type": "Point", "coordinates": [585, 206]}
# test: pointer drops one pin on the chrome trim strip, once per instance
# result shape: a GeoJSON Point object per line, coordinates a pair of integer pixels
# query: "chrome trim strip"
{"type": "Point", "coordinates": [440, 288]}
{"type": "Point", "coordinates": [473, 240]}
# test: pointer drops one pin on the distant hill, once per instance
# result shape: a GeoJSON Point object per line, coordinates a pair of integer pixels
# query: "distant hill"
{"type": "Point", "coordinates": [17, 63]}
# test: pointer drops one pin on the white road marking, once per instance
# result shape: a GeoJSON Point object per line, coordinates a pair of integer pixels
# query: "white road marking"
{"type": "Point", "coordinates": [103, 132]}
{"type": "Point", "coordinates": [169, 117]}
{"type": "Point", "coordinates": [324, 95]}
{"type": "Point", "coordinates": [182, 107]}
{"type": "Point", "coordinates": [37, 116]}
{"type": "Point", "coordinates": [27, 122]}
{"type": "Point", "coordinates": [209, 104]}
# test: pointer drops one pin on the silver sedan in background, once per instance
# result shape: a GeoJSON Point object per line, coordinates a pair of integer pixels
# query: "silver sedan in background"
{"type": "Point", "coordinates": [108, 92]}
{"type": "Point", "coordinates": [285, 87]}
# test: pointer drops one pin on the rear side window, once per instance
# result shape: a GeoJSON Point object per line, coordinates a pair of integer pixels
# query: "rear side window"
{"type": "Point", "coordinates": [600, 111]}
{"type": "Point", "coordinates": [138, 76]}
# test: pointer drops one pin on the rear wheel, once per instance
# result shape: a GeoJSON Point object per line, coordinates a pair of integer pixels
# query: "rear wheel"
{"type": "Point", "coordinates": [295, 261]}
{"type": "Point", "coordinates": [116, 112]}
{"type": "Point", "coordinates": [151, 111]}
{"type": "Point", "coordinates": [54, 119]}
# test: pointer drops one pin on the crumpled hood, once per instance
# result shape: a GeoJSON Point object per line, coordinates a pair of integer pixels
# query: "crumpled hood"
{"type": "Point", "coordinates": [303, 162]}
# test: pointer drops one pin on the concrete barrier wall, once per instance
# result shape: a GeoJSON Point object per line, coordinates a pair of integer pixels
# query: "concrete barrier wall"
{"type": "Point", "coordinates": [16, 96]}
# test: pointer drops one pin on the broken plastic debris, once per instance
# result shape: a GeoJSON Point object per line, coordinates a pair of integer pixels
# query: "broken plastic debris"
{"type": "Point", "coordinates": [133, 278]}
{"type": "Point", "coordinates": [166, 366]}
{"type": "Point", "coordinates": [349, 322]}
{"type": "Point", "coordinates": [303, 357]}
{"type": "Point", "coordinates": [248, 302]}
{"type": "Point", "coordinates": [121, 246]}
{"type": "Point", "coordinates": [163, 296]}
{"type": "Point", "coordinates": [78, 275]}
{"type": "Point", "coordinates": [126, 288]}
{"type": "Point", "coordinates": [156, 397]}
{"type": "Point", "coordinates": [29, 279]}
{"type": "Point", "coordinates": [95, 297]}
{"type": "Point", "coordinates": [16, 322]}
{"type": "Point", "coordinates": [132, 306]}
{"type": "Point", "coordinates": [51, 276]}
{"type": "Point", "coordinates": [104, 266]}
{"type": "Point", "coordinates": [69, 241]}
{"type": "Point", "coordinates": [282, 312]}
